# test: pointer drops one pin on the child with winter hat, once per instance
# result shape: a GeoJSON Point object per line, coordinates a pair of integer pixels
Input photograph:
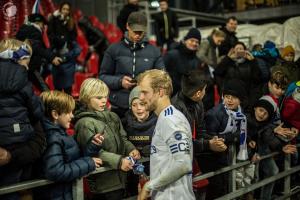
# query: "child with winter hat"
{"type": "Point", "coordinates": [262, 130]}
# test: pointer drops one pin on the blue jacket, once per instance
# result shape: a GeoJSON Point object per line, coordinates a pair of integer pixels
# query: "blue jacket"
{"type": "Point", "coordinates": [19, 107]}
{"type": "Point", "coordinates": [118, 61]}
{"type": "Point", "coordinates": [63, 162]}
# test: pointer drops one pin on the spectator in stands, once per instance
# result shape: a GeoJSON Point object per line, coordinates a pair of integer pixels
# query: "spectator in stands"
{"type": "Point", "coordinates": [287, 65]}
{"type": "Point", "coordinates": [139, 124]}
{"type": "Point", "coordinates": [183, 58]}
{"type": "Point", "coordinates": [62, 160]}
{"type": "Point", "coordinates": [124, 61]}
{"type": "Point", "coordinates": [62, 35]}
{"type": "Point", "coordinates": [208, 51]}
{"type": "Point", "coordinates": [131, 6]}
{"type": "Point", "coordinates": [227, 121]}
{"type": "Point", "coordinates": [230, 39]}
{"type": "Point", "coordinates": [260, 125]}
{"type": "Point", "coordinates": [166, 25]}
{"type": "Point", "coordinates": [240, 64]}
{"type": "Point", "coordinates": [41, 56]}
{"type": "Point", "coordinates": [95, 37]}
{"type": "Point", "coordinates": [22, 140]}
{"type": "Point", "coordinates": [189, 102]}
{"type": "Point", "coordinates": [91, 118]}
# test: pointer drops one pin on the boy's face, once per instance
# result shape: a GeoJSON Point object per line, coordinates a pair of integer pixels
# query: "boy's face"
{"type": "Point", "coordinates": [97, 103]}
{"type": "Point", "coordinates": [64, 119]}
{"type": "Point", "coordinates": [261, 114]}
{"type": "Point", "coordinates": [139, 110]}
{"type": "Point", "coordinates": [231, 102]}
{"type": "Point", "coordinates": [275, 90]}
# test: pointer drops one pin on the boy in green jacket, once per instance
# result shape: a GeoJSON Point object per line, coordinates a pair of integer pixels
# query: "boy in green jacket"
{"type": "Point", "coordinates": [92, 117]}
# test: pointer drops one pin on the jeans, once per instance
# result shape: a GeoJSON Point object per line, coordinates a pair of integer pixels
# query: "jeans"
{"type": "Point", "coordinates": [268, 168]}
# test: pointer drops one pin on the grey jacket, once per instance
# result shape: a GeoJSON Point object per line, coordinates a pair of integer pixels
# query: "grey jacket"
{"type": "Point", "coordinates": [127, 59]}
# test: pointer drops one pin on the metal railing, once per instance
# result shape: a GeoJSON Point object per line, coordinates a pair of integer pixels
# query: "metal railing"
{"type": "Point", "coordinates": [78, 193]}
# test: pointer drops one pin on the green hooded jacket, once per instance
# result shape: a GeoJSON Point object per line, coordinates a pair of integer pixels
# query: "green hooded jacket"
{"type": "Point", "coordinates": [114, 147]}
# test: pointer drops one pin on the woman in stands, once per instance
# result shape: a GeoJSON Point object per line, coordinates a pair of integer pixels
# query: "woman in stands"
{"type": "Point", "coordinates": [62, 36]}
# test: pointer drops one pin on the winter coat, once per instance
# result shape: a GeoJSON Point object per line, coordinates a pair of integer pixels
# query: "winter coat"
{"type": "Point", "coordinates": [127, 59]}
{"type": "Point", "coordinates": [160, 30]}
{"type": "Point", "coordinates": [194, 112]}
{"type": "Point", "coordinates": [19, 107]}
{"type": "Point", "coordinates": [59, 33]}
{"type": "Point", "coordinates": [180, 61]}
{"type": "Point", "coordinates": [248, 72]}
{"type": "Point", "coordinates": [114, 148]}
{"type": "Point", "coordinates": [63, 74]}
{"type": "Point", "coordinates": [207, 52]}
{"type": "Point", "coordinates": [124, 14]}
{"type": "Point", "coordinates": [140, 133]}
{"type": "Point", "coordinates": [63, 162]}
{"type": "Point", "coordinates": [290, 112]}
{"type": "Point", "coordinates": [228, 43]}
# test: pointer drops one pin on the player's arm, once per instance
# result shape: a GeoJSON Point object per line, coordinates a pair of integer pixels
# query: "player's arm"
{"type": "Point", "coordinates": [180, 147]}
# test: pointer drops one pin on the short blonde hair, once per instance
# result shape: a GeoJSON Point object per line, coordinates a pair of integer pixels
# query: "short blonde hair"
{"type": "Point", "coordinates": [59, 101]}
{"type": "Point", "coordinates": [159, 80]}
{"type": "Point", "coordinates": [92, 87]}
{"type": "Point", "coordinates": [14, 45]}
{"type": "Point", "coordinates": [218, 33]}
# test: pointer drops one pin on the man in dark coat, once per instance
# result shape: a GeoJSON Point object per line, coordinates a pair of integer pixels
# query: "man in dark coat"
{"type": "Point", "coordinates": [40, 55]}
{"type": "Point", "coordinates": [166, 25]}
{"type": "Point", "coordinates": [230, 38]}
{"type": "Point", "coordinates": [132, 6]}
{"type": "Point", "coordinates": [124, 61]}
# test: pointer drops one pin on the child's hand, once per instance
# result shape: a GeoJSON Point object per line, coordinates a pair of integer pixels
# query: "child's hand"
{"type": "Point", "coordinates": [126, 165]}
{"type": "Point", "coordinates": [98, 139]}
{"type": "Point", "coordinates": [255, 158]}
{"type": "Point", "coordinates": [289, 149]}
{"type": "Point", "coordinates": [97, 162]}
{"type": "Point", "coordinates": [252, 144]}
{"type": "Point", "coordinates": [135, 154]}
{"type": "Point", "coordinates": [285, 132]}
{"type": "Point", "coordinates": [217, 144]}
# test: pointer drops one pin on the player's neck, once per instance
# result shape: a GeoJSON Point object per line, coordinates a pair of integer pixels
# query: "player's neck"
{"type": "Point", "coordinates": [162, 104]}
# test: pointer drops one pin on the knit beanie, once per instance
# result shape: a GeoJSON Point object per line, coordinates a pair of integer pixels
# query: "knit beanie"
{"type": "Point", "coordinates": [266, 105]}
{"type": "Point", "coordinates": [134, 94]}
{"type": "Point", "coordinates": [235, 87]}
{"type": "Point", "coordinates": [193, 33]}
{"type": "Point", "coordinates": [287, 50]}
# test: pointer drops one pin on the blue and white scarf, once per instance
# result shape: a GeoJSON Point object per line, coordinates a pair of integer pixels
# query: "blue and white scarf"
{"type": "Point", "coordinates": [235, 119]}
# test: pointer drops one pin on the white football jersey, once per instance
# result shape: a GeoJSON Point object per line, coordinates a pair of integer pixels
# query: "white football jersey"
{"type": "Point", "coordinates": [172, 137]}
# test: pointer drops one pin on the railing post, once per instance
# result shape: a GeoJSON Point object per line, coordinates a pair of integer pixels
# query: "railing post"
{"type": "Point", "coordinates": [78, 189]}
{"type": "Point", "coordinates": [287, 179]}
{"type": "Point", "coordinates": [232, 174]}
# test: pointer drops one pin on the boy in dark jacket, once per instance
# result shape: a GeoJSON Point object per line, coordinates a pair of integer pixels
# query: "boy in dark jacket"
{"type": "Point", "coordinates": [63, 161]}
{"type": "Point", "coordinates": [139, 124]}
{"type": "Point", "coordinates": [189, 102]}
{"type": "Point", "coordinates": [21, 137]}
{"type": "Point", "coordinates": [263, 131]}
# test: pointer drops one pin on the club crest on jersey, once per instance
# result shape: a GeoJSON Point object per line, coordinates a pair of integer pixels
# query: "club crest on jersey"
{"type": "Point", "coordinates": [178, 136]}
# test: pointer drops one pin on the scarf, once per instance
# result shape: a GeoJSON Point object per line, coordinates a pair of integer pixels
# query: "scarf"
{"type": "Point", "coordinates": [235, 119]}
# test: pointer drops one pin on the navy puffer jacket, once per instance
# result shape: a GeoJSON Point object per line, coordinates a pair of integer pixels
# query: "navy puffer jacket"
{"type": "Point", "coordinates": [19, 107]}
{"type": "Point", "coordinates": [63, 162]}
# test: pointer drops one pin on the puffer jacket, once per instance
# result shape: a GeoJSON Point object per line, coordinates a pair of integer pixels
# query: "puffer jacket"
{"type": "Point", "coordinates": [140, 133]}
{"type": "Point", "coordinates": [127, 59]}
{"type": "Point", "coordinates": [19, 107]}
{"type": "Point", "coordinates": [63, 162]}
{"type": "Point", "coordinates": [114, 148]}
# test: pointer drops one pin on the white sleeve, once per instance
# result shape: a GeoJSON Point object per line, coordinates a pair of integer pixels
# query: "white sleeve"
{"type": "Point", "coordinates": [180, 146]}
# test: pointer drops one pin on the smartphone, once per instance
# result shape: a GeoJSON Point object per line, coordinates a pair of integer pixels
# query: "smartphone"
{"type": "Point", "coordinates": [240, 54]}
